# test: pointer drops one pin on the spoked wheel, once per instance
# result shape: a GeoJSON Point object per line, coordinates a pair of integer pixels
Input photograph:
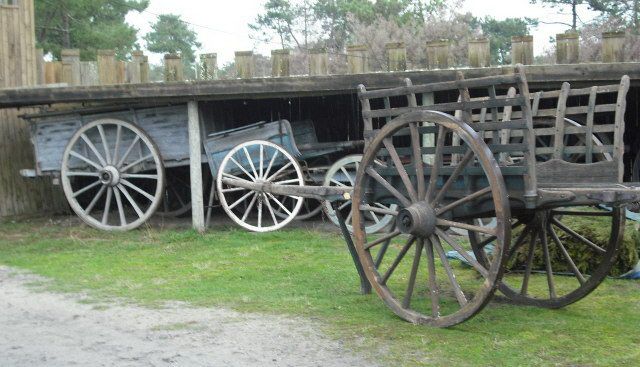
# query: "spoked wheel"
{"type": "Point", "coordinates": [431, 199]}
{"type": "Point", "coordinates": [112, 175]}
{"type": "Point", "coordinates": [176, 200]}
{"type": "Point", "coordinates": [542, 267]}
{"type": "Point", "coordinates": [259, 161]}
{"type": "Point", "coordinates": [343, 173]}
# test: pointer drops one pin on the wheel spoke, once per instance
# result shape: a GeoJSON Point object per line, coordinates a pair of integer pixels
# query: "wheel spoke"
{"type": "Point", "coordinates": [547, 260]}
{"type": "Point", "coordinates": [146, 194]}
{"type": "Point", "coordinates": [346, 173]}
{"type": "Point", "coordinates": [284, 182]}
{"type": "Point", "coordinates": [176, 193]}
{"type": "Point", "coordinates": [565, 253]}
{"type": "Point", "coordinates": [457, 290]}
{"type": "Point", "coordinates": [417, 159]}
{"type": "Point", "coordinates": [519, 241]}
{"type": "Point", "coordinates": [273, 215]}
{"type": "Point", "coordinates": [273, 158]}
{"type": "Point", "coordinates": [437, 162]}
{"type": "Point", "coordinates": [383, 249]}
{"type": "Point", "coordinates": [93, 149]}
{"type": "Point", "coordinates": [233, 189]}
{"type": "Point", "coordinates": [116, 149]}
{"type": "Point", "coordinates": [279, 204]}
{"type": "Point", "coordinates": [577, 236]}
{"type": "Point", "coordinates": [400, 169]}
{"type": "Point", "coordinates": [93, 202]}
{"type": "Point", "coordinates": [468, 227]}
{"type": "Point", "coordinates": [459, 249]}
{"type": "Point", "coordinates": [243, 198]}
{"type": "Point", "coordinates": [137, 162]}
{"type": "Point", "coordinates": [392, 190]}
{"type": "Point", "coordinates": [136, 175]}
{"type": "Point", "coordinates": [273, 176]}
{"type": "Point", "coordinates": [465, 199]}
{"type": "Point", "coordinates": [368, 246]}
{"type": "Point", "coordinates": [397, 260]}
{"type": "Point", "coordinates": [105, 144]}
{"type": "Point", "coordinates": [87, 188]}
{"type": "Point", "coordinates": [346, 204]}
{"type": "Point", "coordinates": [454, 176]}
{"type": "Point", "coordinates": [107, 206]}
{"type": "Point", "coordinates": [242, 169]}
{"type": "Point", "coordinates": [251, 204]}
{"type": "Point", "coordinates": [253, 168]}
{"type": "Point", "coordinates": [261, 160]}
{"type": "Point", "coordinates": [434, 293]}
{"type": "Point", "coordinates": [87, 160]}
{"type": "Point", "coordinates": [338, 183]}
{"type": "Point", "coordinates": [406, 302]}
{"type": "Point", "coordinates": [123, 218]}
{"type": "Point", "coordinates": [259, 211]}
{"type": "Point", "coordinates": [527, 272]}
{"type": "Point", "coordinates": [133, 203]}
{"type": "Point", "coordinates": [128, 151]}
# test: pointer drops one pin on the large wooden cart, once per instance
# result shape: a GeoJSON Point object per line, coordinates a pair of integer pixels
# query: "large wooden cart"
{"type": "Point", "coordinates": [532, 164]}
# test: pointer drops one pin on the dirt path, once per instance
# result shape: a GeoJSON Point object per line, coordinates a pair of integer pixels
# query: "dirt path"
{"type": "Point", "coordinates": [48, 329]}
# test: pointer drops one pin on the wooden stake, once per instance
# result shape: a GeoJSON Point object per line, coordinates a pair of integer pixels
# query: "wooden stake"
{"type": "Point", "coordinates": [396, 56]}
{"type": "Point", "coordinates": [358, 59]}
{"type": "Point", "coordinates": [245, 64]}
{"type": "Point", "coordinates": [280, 60]}
{"type": "Point", "coordinates": [567, 48]}
{"type": "Point", "coordinates": [479, 53]}
{"type": "Point", "coordinates": [522, 50]}
{"type": "Point", "coordinates": [318, 62]}
{"type": "Point", "coordinates": [613, 46]}
{"type": "Point", "coordinates": [438, 54]}
{"type": "Point", "coordinates": [195, 163]}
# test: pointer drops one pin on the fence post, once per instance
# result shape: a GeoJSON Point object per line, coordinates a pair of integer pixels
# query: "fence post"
{"type": "Point", "coordinates": [195, 166]}
{"type": "Point", "coordinates": [89, 73]}
{"type": "Point", "coordinates": [522, 50]}
{"type": "Point", "coordinates": [40, 68]}
{"type": "Point", "coordinates": [318, 61]}
{"type": "Point", "coordinates": [134, 68]}
{"type": "Point", "coordinates": [567, 48]}
{"type": "Point", "coordinates": [144, 70]}
{"type": "Point", "coordinates": [613, 46]}
{"type": "Point", "coordinates": [396, 56]}
{"type": "Point", "coordinates": [438, 54]}
{"type": "Point", "coordinates": [209, 66]}
{"type": "Point", "coordinates": [479, 53]}
{"type": "Point", "coordinates": [280, 61]}
{"type": "Point", "coordinates": [107, 67]}
{"type": "Point", "coordinates": [173, 69]}
{"type": "Point", "coordinates": [70, 66]}
{"type": "Point", "coordinates": [244, 64]}
{"type": "Point", "coordinates": [358, 59]}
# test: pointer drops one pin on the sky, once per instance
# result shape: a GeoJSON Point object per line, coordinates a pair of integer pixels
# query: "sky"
{"type": "Point", "coordinates": [222, 24]}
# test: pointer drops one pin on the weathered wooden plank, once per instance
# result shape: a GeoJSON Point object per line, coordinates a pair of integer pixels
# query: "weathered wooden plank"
{"type": "Point", "coordinates": [538, 76]}
{"type": "Point", "coordinates": [195, 163]}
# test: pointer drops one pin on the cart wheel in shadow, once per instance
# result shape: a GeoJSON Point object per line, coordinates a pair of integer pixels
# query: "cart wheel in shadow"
{"type": "Point", "coordinates": [112, 175]}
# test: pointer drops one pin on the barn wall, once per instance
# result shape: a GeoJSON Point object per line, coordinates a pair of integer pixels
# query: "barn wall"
{"type": "Point", "coordinates": [18, 195]}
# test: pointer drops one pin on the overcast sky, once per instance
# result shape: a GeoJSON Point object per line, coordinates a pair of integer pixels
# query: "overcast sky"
{"type": "Point", "coordinates": [222, 25]}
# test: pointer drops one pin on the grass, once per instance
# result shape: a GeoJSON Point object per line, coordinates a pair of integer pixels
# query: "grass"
{"type": "Point", "coordinates": [310, 274]}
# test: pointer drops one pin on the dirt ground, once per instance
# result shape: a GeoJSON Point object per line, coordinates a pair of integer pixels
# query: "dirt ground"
{"type": "Point", "coordinates": [40, 328]}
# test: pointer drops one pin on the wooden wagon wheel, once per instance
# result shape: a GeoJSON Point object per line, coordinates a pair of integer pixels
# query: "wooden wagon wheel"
{"type": "Point", "coordinates": [343, 173]}
{"type": "Point", "coordinates": [110, 161]}
{"type": "Point", "coordinates": [428, 205]}
{"type": "Point", "coordinates": [259, 161]}
{"type": "Point", "coordinates": [542, 238]}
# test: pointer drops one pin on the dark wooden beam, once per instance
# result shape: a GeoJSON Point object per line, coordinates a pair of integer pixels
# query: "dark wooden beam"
{"type": "Point", "coordinates": [539, 76]}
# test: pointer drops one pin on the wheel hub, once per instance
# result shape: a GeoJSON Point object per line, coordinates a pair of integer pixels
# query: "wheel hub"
{"type": "Point", "coordinates": [419, 219]}
{"type": "Point", "coordinates": [110, 176]}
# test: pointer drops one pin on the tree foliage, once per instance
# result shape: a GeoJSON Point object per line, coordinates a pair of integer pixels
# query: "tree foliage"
{"type": "Point", "coordinates": [169, 34]}
{"type": "Point", "coordinates": [572, 4]}
{"type": "Point", "coordinates": [86, 24]}
{"type": "Point", "coordinates": [628, 10]}
{"type": "Point", "coordinates": [500, 33]}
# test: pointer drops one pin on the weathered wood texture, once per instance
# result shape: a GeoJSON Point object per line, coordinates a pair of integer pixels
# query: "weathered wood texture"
{"type": "Point", "coordinates": [71, 66]}
{"type": "Point", "coordinates": [280, 61]}
{"type": "Point", "coordinates": [358, 59]}
{"type": "Point", "coordinates": [396, 56]}
{"type": "Point", "coordinates": [479, 53]}
{"type": "Point", "coordinates": [522, 50]}
{"type": "Point", "coordinates": [173, 69]}
{"type": "Point", "coordinates": [18, 195]}
{"type": "Point", "coordinates": [245, 64]}
{"type": "Point", "coordinates": [567, 48]}
{"type": "Point", "coordinates": [438, 53]}
{"type": "Point", "coordinates": [538, 76]}
{"type": "Point", "coordinates": [613, 47]}
{"type": "Point", "coordinates": [107, 67]}
{"type": "Point", "coordinates": [318, 62]}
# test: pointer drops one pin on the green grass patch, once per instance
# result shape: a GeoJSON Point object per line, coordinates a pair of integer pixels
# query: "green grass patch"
{"type": "Point", "coordinates": [310, 274]}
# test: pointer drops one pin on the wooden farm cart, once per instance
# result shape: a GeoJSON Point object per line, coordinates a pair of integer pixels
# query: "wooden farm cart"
{"type": "Point", "coordinates": [432, 172]}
